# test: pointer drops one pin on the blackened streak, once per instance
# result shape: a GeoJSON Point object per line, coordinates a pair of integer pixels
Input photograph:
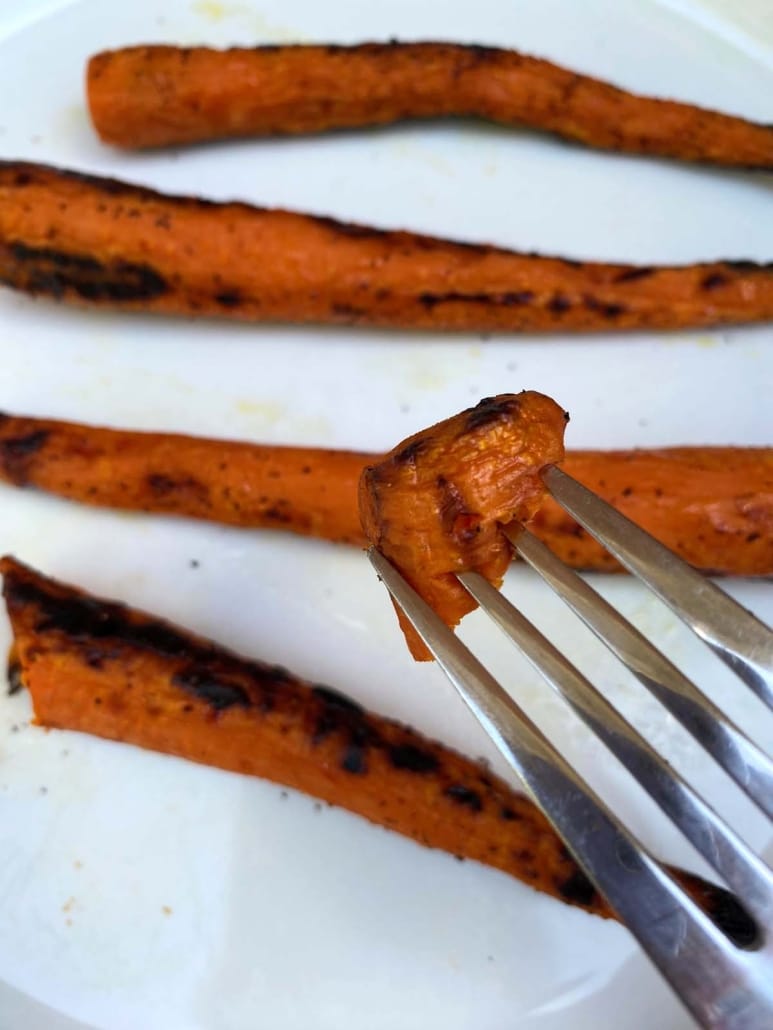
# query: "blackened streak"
{"type": "Point", "coordinates": [55, 272]}
{"type": "Point", "coordinates": [412, 758]}
{"type": "Point", "coordinates": [578, 889]}
{"type": "Point", "coordinates": [490, 410]}
{"type": "Point", "coordinates": [214, 690]}
{"type": "Point", "coordinates": [464, 796]}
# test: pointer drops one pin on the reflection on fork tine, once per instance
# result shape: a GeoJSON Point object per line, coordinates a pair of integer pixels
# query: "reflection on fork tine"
{"type": "Point", "coordinates": [722, 985]}
{"type": "Point", "coordinates": [741, 640]}
{"type": "Point", "coordinates": [751, 769]}
{"type": "Point", "coordinates": [743, 871]}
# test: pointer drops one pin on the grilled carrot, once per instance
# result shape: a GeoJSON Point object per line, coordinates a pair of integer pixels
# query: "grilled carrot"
{"type": "Point", "coordinates": [103, 243]}
{"type": "Point", "coordinates": [150, 96]}
{"type": "Point", "coordinates": [436, 504]}
{"type": "Point", "coordinates": [102, 668]}
{"type": "Point", "coordinates": [305, 490]}
{"type": "Point", "coordinates": [712, 505]}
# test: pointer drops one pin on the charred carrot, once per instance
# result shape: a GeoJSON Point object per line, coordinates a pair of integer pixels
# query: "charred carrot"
{"type": "Point", "coordinates": [712, 505]}
{"type": "Point", "coordinates": [103, 243]}
{"type": "Point", "coordinates": [102, 668]}
{"type": "Point", "coordinates": [150, 96]}
{"type": "Point", "coordinates": [436, 504]}
{"type": "Point", "coordinates": [305, 490]}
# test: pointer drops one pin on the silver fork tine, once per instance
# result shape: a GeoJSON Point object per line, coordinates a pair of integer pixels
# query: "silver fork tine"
{"type": "Point", "coordinates": [743, 871]}
{"type": "Point", "coordinates": [720, 985]}
{"type": "Point", "coordinates": [751, 769]}
{"type": "Point", "coordinates": [743, 642]}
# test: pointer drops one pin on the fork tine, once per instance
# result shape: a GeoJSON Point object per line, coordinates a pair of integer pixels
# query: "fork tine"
{"type": "Point", "coordinates": [751, 769]}
{"type": "Point", "coordinates": [730, 856]}
{"type": "Point", "coordinates": [743, 642]}
{"type": "Point", "coordinates": [720, 985]}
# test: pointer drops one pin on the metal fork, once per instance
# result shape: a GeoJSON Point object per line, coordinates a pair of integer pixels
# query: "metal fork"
{"type": "Point", "coordinates": [722, 984]}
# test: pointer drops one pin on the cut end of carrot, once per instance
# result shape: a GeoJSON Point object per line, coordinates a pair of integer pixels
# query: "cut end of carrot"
{"type": "Point", "coordinates": [436, 504]}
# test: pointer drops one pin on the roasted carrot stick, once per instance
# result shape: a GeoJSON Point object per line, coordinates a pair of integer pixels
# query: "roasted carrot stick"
{"type": "Point", "coordinates": [150, 96]}
{"type": "Point", "coordinates": [104, 243]}
{"type": "Point", "coordinates": [436, 504]}
{"type": "Point", "coordinates": [102, 668]}
{"type": "Point", "coordinates": [712, 505]}
{"type": "Point", "coordinates": [305, 490]}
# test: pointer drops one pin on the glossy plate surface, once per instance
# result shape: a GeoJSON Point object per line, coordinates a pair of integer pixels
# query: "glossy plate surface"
{"type": "Point", "coordinates": [138, 890]}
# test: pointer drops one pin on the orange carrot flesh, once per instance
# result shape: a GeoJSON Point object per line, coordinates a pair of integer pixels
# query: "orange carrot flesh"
{"type": "Point", "coordinates": [99, 667]}
{"type": "Point", "coordinates": [712, 505]}
{"type": "Point", "coordinates": [305, 490]}
{"type": "Point", "coordinates": [436, 504]}
{"type": "Point", "coordinates": [150, 96]}
{"type": "Point", "coordinates": [101, 243]}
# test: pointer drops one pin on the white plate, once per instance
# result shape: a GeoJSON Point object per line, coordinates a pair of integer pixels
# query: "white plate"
{"type": "Point", "coordinates": [138, 890]}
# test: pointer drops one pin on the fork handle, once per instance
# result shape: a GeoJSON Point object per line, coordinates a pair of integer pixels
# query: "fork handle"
{"type": "Point", "coordinates": [722, 986]}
